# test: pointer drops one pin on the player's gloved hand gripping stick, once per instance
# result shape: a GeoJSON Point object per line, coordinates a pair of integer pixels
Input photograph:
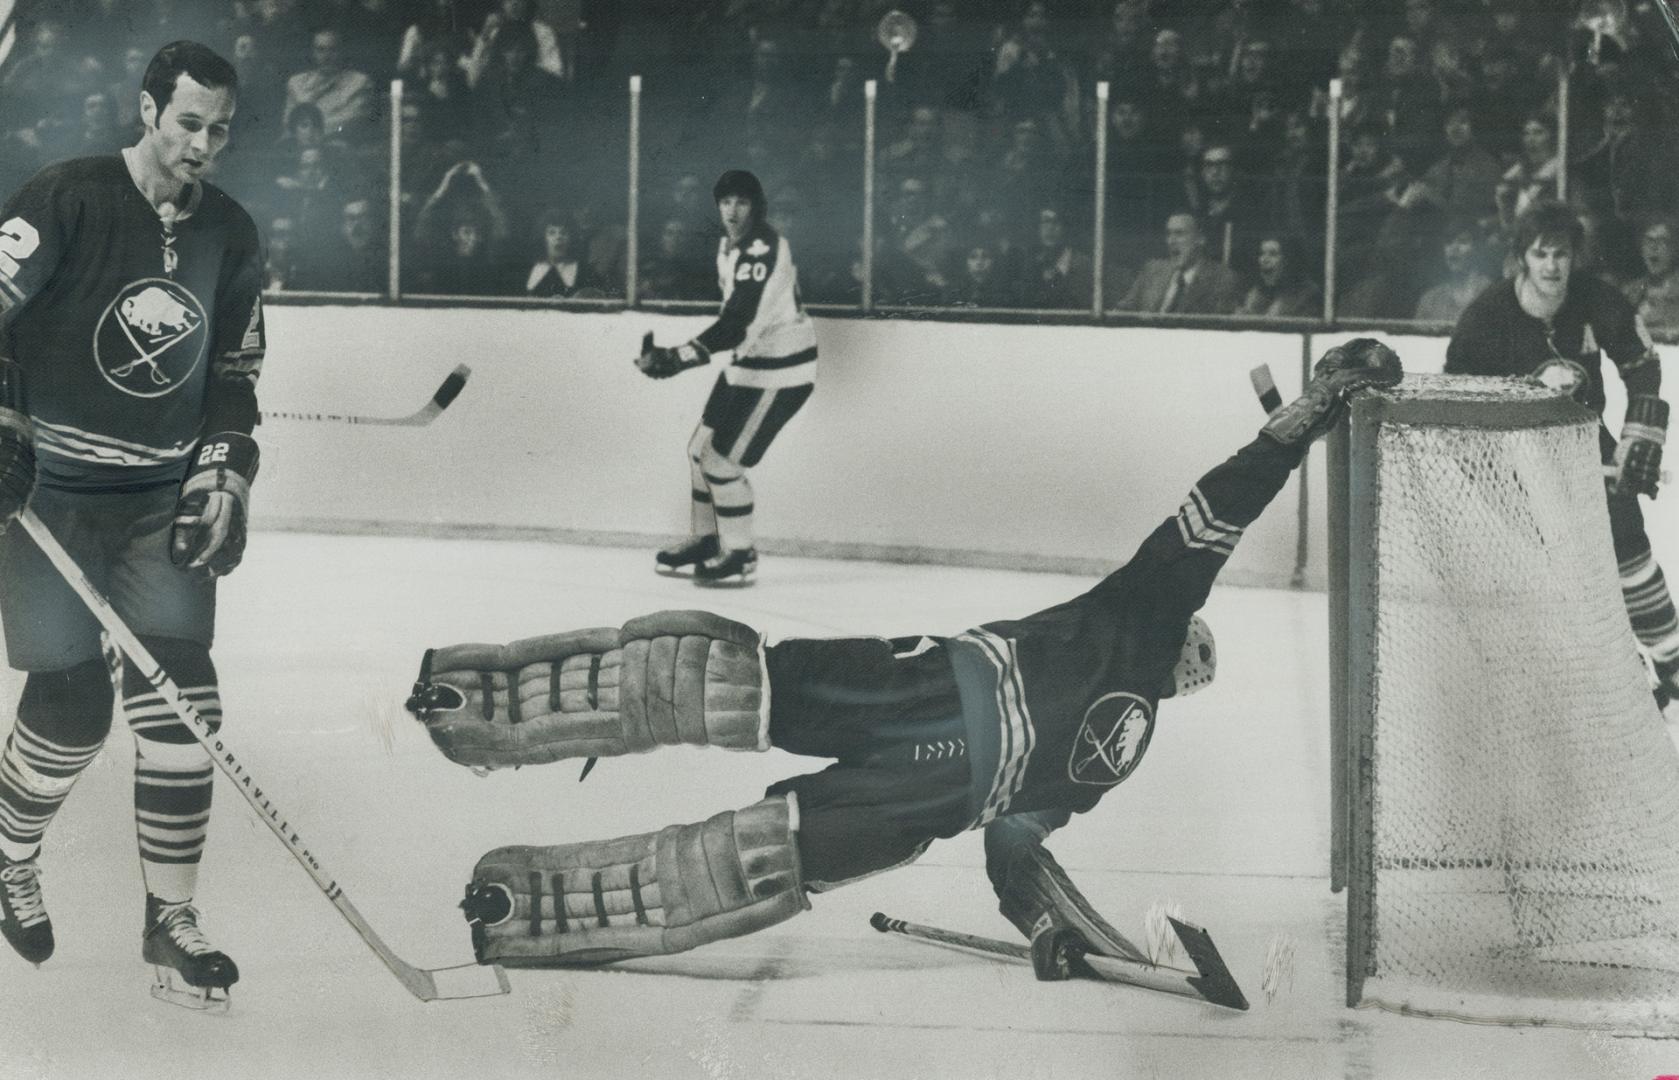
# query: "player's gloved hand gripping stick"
{"type": "Point", "coordinates": [464, 981]}
{"type": "Point", "coordinates": [661, 362]}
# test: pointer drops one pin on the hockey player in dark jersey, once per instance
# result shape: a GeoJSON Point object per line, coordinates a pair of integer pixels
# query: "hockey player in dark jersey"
{"type": "Point", "coordinates": [774, 343]}
{"type": "Point", "coordinates": [131, 337]}
{"type": "Point", "coordinates": [1012, 727]}
{"type": "Point", "coordinates": [1554, 324]}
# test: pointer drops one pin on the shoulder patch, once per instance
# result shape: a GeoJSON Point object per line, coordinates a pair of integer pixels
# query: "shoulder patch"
{"type": "Point", "coordinates": [758, 248]}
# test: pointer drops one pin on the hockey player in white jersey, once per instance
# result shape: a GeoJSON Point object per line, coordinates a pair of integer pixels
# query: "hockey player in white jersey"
{"type": "Point", "coordinates": [772, 375]}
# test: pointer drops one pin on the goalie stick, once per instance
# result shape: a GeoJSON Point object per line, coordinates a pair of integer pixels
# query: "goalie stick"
{"type": "Point", "coordinates": [461, 981]}
{"type": "Point", "coordinates": [446, 393]}
{"type": "Point", "coordinates": [1211, 981]}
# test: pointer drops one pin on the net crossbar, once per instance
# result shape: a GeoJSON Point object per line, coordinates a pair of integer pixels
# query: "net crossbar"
{"type": "Point", "coordinates": [1508, 818]}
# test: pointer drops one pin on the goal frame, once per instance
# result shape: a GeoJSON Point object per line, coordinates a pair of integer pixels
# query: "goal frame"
{"type": "Point", "coordinates": [1354, 499]}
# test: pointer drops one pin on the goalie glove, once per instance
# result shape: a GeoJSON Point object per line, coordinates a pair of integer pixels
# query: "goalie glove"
{"type": "Point", "coordinates": [209, 532]}
{"type": "Point", "coordinates": [1360, 363]}
{"type": "Point", "coordinates": [1038, 897]}
{"type": "Point", "coordinates": [17, 444]}
{"type": "Point", "coordinates": [661, 362]}
{"type": "Point", "coordinates": [1638, 456]}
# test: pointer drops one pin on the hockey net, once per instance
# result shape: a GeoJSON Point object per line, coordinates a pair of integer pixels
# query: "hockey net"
{"type": "Point", "coordinates": [1507, 796]}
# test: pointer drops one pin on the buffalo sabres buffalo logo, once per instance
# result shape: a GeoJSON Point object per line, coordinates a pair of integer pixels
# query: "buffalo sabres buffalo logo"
{"type": "Point", "coordinates": [151, 337]}
{"type": "Point", "coordinates": [1111, 740]}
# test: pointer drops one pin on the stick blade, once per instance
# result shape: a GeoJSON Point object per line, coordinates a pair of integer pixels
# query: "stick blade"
{"type": "Point", "coordinates": [451, 387]}
{"type": "Point", "coordinates": [460, 982]}
{"type": "Point", "coordinates": [1215, 982]}
{"type": "Point", "coordinates": [1265, 388]}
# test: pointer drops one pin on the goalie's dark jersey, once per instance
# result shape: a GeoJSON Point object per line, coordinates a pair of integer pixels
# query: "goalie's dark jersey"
{"type": "Point", "coordinates": [1494, 336]}
{"type": "Point", "coordinates": [1060, 705]}
{"type": "Point", "coordinates": [123, 324]}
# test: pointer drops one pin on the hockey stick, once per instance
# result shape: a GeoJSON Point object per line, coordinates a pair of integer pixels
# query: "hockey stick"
{"type": "Point", "coordinates": [1211, 981]}
{"type": "Point", "coordinates": [463, 981]}
{"type": "Point", "coordinates": [446, 393]}
{"type": "Point", "coordinates": [1265, 388]}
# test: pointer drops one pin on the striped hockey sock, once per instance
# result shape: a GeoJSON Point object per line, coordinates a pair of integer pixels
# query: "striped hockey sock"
{"type": "Point", "coordinates": [172, 789]}
{"type": "Point", "coordinates": [1650, 608]}
{"type": "Point", "coordinates": [733, 498]}
{"type": "Point", "coordinates": [37, 771]}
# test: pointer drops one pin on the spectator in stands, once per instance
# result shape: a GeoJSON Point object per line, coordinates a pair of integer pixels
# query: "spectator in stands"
{"type": "Point", "coordinates": [1655, 294]}
{"type": "Point", "coordinates": [458, 233]}
{"type": "Point", "coordinates": [260, 116]}
{"type": "Point", "coordinates": [1281, 289]}
{"type": "Point", "coordinates": [561, 270]}
{"type": "Point", "coordinates": [1632, 171]}
{"type": "Point", "coordinates": [1170, 86]}
{"type": "Point", "coordinates": [352, 260]}
{"type": "Point", "coordinates": [439, 24]}
{"type": "Point", "coordinates": [514, 15]}
{"type": "Point", "coordinates": [1462, 181]}
{"type": "Point", "coordinates": [1139, 170]}
{"type": "Point", "coordinates": [1186, 282]}
{"type": "Point", "coordinates": [772, 104]}
{"type": "Point", "coordinates": [1227, 215]}
{"type": "Point", "coordinates": [344, 96]}
{"type": "Point", "coordinates": [463, 262]}
{"type": "Point", "coordinates": [1407, 105]}
{"type": "Point", "coordinates": [1032, 81]}
{"type": "Point", "coordinates": [1454, 83]}
{"type": "Point", "coordinates": [678, 266]}
{"type": "Point", "coordinates": [1123, 50]}
{"type": "Point", "coordinates": [440, 82]}
{"type": "Point", "coordinates": [43, 86]}
{"type": "Point", "coordinates": [915, 259]}
{"type": "Point", "coordinates": [917, 149]}
{"type": "Point", "coordinates": [1507, 94]}
{"type": "Point", "coordinates": [1358, 99]}
{"type": "Point", "coordinates": [279, 270]}
{"type": "Point", "coordinates": [978, 282]}
{"type": "Point", "coordinates": [1026, 171]}
{"type": "Point", "coordinates": [517, 104]}
{"type": "Point", "coordinates": [1367, 184]}
{"type": "Point", "coordinates": [309, 194]}
{"type": "Point", "coordinates": [1464, 278]}
{"type": "Point", "coordinates": [1251, 83]}
{"type": "Point", "coordinates": [1534, 174]}
{"type": "Point", "coordinates": [1058, 274]}
{"type": "Point", "coordinates": [372, 32]}
{"type": "Point", "coordinates": [1296, 188]}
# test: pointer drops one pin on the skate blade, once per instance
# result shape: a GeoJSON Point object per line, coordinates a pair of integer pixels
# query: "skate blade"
{"type": "Point", "coordinates": [673, 571]}
{"type": "Point", "coordinates": [733, 581]}
{"type": "Point", "coordinates": [167, 986]}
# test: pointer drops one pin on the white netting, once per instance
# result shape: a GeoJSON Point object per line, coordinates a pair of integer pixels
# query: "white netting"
{"type": "Point", "coordinates": [1525, 791]}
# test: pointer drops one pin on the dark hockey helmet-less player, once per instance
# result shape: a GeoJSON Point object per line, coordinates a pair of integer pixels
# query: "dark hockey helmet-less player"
{"type": "Point", "coordinates": [742, 184]}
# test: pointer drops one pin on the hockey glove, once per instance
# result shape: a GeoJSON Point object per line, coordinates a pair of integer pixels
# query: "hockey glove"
{"type": "Point", "coordinates": [1035, 894]}
{"type": "Point", "coordinates": [209, 533]}
{"type": "Point", "coordinates": [1360, 363]}
{"type": "Point", "coordinates": [17, 444]}
{"type": "Point", "coordinates": [1638, 457]}
{"type": "Point", "coordinates": [661, 362]}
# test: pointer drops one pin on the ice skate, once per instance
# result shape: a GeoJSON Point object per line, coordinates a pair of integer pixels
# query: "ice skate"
{"type": "Point", "coordinates": [680, 559]}
{"type": "Point", "coordinates": [189, 971]}
{"type": "Point", "coordinates": [23, 915]}
{"type": "Point", "coordinates": [728, 569]}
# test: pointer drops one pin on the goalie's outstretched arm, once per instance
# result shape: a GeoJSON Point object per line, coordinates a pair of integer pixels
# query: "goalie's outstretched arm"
{"type": "Point", "coordinates": [1179, 561]}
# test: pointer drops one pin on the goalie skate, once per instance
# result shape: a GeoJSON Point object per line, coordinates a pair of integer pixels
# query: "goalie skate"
{"type": "Point", "coordinates": [679, 560]}
{"type": "Point", "coordinates": [188, 971]}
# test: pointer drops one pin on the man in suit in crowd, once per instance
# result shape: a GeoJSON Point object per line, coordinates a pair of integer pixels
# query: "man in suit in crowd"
{"type": "Point", "coordinates": [1186, 282]}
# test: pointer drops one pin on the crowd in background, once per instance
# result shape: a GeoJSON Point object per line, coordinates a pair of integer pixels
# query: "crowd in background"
{"type": "Point", "coordinates": [514, 142]}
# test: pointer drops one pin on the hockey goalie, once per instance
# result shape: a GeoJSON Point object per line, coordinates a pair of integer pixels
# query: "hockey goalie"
{"type": "Point", "coordinates": [1011, 727]}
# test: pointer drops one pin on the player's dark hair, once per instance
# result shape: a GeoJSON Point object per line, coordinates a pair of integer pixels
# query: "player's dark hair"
{"type": "Point", "coordinates": [1552, 222]}
{"type": "Point", "coordinates": [742, 184]}
{"type": "Point", "coordinates": [204, 64]}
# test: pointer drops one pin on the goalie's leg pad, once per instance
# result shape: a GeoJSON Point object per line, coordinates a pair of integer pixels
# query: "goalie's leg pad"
{"type": "Point", "coordinates": [694, 677]}
{"type": "Point", "coordinates": [646, 895]}
{"type": "Point", "coordinates": [663, 679]}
